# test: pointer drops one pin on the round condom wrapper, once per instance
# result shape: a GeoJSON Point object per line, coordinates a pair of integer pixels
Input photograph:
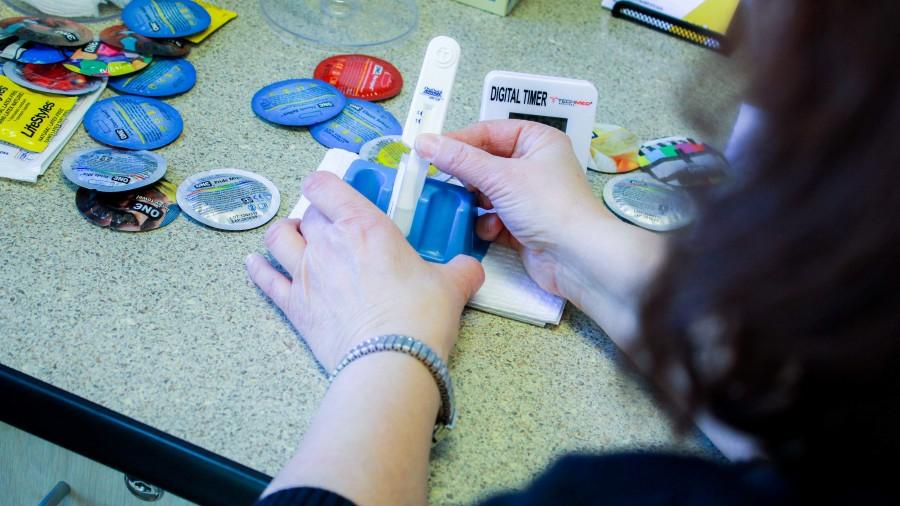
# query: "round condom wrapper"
{"type": "Point", "coordinates": [165, 19]}
{"type": "Point", "coordinates": [163, 78]}
{"type": "Point", "coordinates": [48, 30]}
{"type": "Point", "coordinates": [359, 123]}
{"type": "Point", "coordinates": [640, 199]}
{"type": "Point", "coordinates": [298, 102]}
{"type": "Point", "coordinates": [113, 170]}
{"type": "Point", "coordinates": [361, 76]}
{"type": "Point", "coordinates": [133, 122]}
{"type": "Point", "coordinates": [386, 150]}
{"type": "Point", "coordinates": [389, 150]}
{"type": "Point", "coordinates": [121, 37]}
{"type": "Point", "coordinates": [614, 149]}
{"type": "Point", "coordinates": [101, 60]}
{"type": "Point", "coordinates": [31, 52]}
{"type": "Point", "coordinates": [139, 210]}
{"type": "Point", "coordinates": [681, 161]}
{"type": "Point", "coordinates": [229, 199]}
{"type": "Point", "coordinates": [51, 79]}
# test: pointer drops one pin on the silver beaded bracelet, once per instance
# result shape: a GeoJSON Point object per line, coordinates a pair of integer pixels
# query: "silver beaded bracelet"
{"type": "Point", "coordinates": [446, 419]}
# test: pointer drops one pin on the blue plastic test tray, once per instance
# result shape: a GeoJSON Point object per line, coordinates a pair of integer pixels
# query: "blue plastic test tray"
{"type": "Point", "coordinates": [444, 224]}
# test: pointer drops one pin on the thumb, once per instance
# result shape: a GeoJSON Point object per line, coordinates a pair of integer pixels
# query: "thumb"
{"type": "Point", "coordinates": [466, 273]}
{"type": "Point", "coordinates": [468, 163]}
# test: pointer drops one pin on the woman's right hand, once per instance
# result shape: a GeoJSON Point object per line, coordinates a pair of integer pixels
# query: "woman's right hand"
{"type": "Point", "coordinates": [528, 173]}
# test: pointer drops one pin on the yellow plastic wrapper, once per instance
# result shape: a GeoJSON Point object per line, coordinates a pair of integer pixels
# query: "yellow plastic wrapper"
{"type": "Point", "coordinates": [219, 17]}
{"type": "Point", "coordinates": [388, 151]}
{"type": "Point", "coordinates": [29, 119]}
{"type": "Point", "coordinates": [390, 156]}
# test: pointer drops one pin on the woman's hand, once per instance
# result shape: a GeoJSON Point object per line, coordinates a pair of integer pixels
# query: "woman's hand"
{"type": "Point", "coordinates": [527, 173]}
{"type": "Point", "coordinates": [570, 243]}
{"type": "Point", "coordinates": [353, 276]}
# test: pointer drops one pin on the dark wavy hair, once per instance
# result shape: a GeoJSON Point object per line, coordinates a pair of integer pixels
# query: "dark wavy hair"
{"type": "Point", "coordinates": [779, 310]}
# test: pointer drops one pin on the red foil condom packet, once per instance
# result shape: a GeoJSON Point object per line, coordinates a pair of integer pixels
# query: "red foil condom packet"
{"type": "Point", "coordinates": [361, 76]}
{"type": "Point", "coordinates": [51, 78]}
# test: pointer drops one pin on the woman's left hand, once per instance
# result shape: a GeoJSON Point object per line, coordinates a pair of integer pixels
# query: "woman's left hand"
{"type": "Point", "coordinates": [354, 276]}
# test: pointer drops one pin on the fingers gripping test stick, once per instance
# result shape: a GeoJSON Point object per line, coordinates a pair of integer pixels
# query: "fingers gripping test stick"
{"type": "Point", "coordinates": [426, 115]}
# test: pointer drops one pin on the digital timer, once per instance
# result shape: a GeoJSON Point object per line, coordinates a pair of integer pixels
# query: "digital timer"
{"type": "Point", "coordinates": [569, 105]}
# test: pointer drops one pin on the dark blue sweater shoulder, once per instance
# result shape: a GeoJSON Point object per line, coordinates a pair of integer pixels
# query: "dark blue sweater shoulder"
{"type": "Point", "coordinates": [632, 479]}
{"type": "Point", "coordinates": [646, 479]}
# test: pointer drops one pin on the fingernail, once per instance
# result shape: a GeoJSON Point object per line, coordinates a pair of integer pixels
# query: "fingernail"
{"type": "Point", "coordinates": [427, 145]}
{"type": "Point", "coordinates": [308, 180]}
{"type": "Point", "coordinates": [267, 236]}
{"type": "Point", "coordinates": [250, 260]}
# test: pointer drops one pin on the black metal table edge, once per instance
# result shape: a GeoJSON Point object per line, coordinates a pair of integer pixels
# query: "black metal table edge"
{"type": "Point", "coordinates": [125, 444]}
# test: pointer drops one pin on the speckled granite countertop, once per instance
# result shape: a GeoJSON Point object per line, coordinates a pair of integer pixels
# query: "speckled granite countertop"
{"type": "Point", "coordinates": [166, 328]}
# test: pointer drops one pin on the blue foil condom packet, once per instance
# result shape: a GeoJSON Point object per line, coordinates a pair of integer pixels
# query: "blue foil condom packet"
{"type": "Point", "coordinates": [298, 102]}
{"type": "Point", "coordinates": [133, 122]}
{"type": "Point", "coordinates": [113, 170]}
{"type": "Point", "coordinates": [165, 19]}
{"type": "Point", "coordinates": [359, 123]}
{"type": "Point", "coordinates": [229, 199]}
{"type": "Point", "coordinates": [162, 78]}
{"type": "Point", "coordinates": [23, 51]}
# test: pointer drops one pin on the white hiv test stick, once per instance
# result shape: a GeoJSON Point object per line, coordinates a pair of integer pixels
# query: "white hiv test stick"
{"type": "Point", "coordinates": [426, 115]}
